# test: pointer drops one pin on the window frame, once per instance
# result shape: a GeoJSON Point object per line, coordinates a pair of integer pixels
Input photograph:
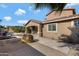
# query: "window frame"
{"type": "Point", "coordinates": [77, 23]}
{"type": "Point", "coordinates": [52, 30]}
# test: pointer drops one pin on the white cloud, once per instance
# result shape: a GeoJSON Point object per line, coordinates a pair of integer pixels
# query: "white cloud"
{"type": "Point", "coordinates": [22, 21]}
{"type": "Point", "coordinates": [70, 5]}
{"type": "Point", "coordinates": [20, 12]}
{"type": "Point", "coordinates": [3, 6]}
{"type": "Point", "coordinates": [7, 18]}
{"type": "Point", "coordinates": [37, 11]}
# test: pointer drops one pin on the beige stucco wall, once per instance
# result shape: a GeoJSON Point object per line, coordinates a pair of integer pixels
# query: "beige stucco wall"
{"type": "Point", "coordinates": [54, 14]}
{"type": "Point", "coordinates": [62, 28]}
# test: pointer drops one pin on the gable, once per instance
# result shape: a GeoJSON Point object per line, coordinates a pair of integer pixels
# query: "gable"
{"type": "Point", "coordinates": [64, 13]}
{"type": "Point", "coordinates": [32, 23]}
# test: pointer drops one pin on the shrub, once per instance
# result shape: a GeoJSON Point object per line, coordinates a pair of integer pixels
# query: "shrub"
{"type": "Point", "coordinates": [73, 38]}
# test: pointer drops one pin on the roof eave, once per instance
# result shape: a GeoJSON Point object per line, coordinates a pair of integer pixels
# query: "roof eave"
{"type": "Point", "coordinates": [63, 19]}
{"type": "Point", "coordinates": [33, 21]}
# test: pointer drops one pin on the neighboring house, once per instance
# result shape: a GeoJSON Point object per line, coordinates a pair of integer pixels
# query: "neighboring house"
{"type": "Point", "coordinates": [55, 24]}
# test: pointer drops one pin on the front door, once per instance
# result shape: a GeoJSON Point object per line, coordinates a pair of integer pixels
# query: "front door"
{"type": "Point", "coordinates": [33, 29]}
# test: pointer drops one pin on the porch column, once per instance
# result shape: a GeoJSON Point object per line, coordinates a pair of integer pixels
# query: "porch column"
{"type": "Point", "coordinates": [39, 30]}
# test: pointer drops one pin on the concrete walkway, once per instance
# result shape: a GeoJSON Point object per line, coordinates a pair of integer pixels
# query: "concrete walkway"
{"type": "Point", "coordinates": [46, 50]}
{"type": "Point", "coordinates": [53, 44]}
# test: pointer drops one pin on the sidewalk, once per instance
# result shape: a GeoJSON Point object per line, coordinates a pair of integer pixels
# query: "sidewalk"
{"type": "Point", "coordinates": [46, 50]}
{"type": "Point", "coordinates": [53, 44]}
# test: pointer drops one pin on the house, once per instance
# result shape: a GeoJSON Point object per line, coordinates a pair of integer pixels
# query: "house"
{"type": "Point", "coordinates": [55, 24]}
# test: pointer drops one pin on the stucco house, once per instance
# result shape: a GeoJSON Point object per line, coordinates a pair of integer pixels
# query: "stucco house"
{"type": "Point", "coordinates": [55, 24]}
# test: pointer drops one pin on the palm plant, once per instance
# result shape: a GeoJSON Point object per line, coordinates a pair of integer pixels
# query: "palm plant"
{"type": "Point", "coordinates": [52, 6]}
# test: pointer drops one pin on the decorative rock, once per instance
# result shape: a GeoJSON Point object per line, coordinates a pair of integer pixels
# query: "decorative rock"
{"type": "Point", "coordinates": [27, 38]}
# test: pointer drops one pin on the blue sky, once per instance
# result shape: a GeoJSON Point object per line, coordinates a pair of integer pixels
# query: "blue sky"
{"type": "Point", "coordinates": [20, 13]}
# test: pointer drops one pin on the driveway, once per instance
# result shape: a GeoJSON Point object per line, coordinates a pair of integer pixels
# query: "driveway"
{"type": "Point", "coordinates": [14, 47]}
{"type": "Point", "coordinates": [17, 48]}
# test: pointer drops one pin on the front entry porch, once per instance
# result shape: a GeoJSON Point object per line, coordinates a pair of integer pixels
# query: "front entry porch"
{"type": "Point", "coordinates": [32, 29]}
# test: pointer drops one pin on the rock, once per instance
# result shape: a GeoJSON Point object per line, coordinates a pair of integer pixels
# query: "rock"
{"type": "Point", "coordinates": [27, 38]}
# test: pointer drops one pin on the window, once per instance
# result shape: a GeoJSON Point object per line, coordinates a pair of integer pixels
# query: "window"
{"type": "Point", "coordinates": [76, 23]}
{"type": "Point", "coordinates": [52, 27]}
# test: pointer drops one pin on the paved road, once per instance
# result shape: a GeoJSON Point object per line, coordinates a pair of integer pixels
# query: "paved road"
{"type": "Point", "coordinates": [16, 48]}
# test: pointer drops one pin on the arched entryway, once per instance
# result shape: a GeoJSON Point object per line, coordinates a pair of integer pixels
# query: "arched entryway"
{"type": "Point", "coordinates": [32, 29]}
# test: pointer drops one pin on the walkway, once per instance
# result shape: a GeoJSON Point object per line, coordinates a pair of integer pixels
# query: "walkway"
{"type": "Point", "coordinates": [46, 50]}
{"type": "Point", "coordinates": [53, 44]}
